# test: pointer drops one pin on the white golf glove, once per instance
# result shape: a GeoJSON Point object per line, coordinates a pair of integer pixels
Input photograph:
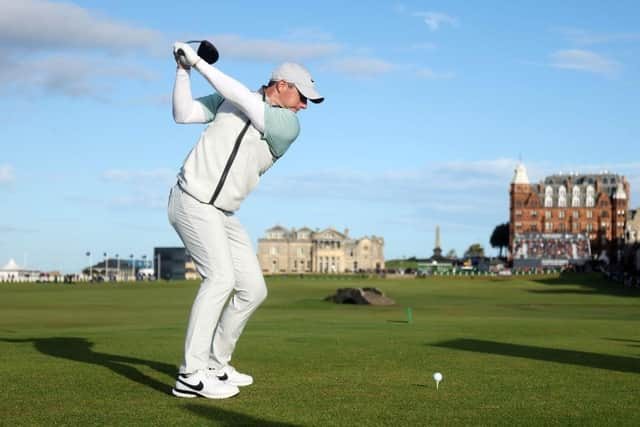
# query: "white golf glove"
{"type": "Point", "coordinates": [188, 58]}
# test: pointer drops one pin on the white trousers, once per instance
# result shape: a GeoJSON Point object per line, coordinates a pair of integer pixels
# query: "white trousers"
{"type": "Point", "coordinates": [222, 252]}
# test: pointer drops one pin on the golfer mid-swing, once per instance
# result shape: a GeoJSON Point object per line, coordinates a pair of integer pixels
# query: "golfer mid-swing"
{"type": "Point", "coordinates": [246, 133]}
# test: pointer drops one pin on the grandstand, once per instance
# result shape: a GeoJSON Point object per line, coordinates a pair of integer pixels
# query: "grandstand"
{"type": "Point", "coordinates": [535, 250]}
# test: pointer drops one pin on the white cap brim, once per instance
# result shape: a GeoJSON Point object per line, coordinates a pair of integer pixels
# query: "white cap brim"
{"type": "Point", "coordinates": [310, 93]}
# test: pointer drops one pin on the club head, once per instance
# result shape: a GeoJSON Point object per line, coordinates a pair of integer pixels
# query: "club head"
{"type": "Point", "coordinates": [208, 52]}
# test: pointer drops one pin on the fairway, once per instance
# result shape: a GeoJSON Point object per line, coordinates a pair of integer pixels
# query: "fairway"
{"type": "Point", "coordinates": [517, 351]}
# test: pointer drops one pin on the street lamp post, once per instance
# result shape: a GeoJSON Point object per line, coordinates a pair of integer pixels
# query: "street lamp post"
{"type": "Point", "coordinates": [144, 262]}
{"type": "Point", "coordinates": [133, 268]}
{"type": "Point", "coordinates": [159, 267]}
{"type": "Point", "coordinates": [106, 268]}
{"type": "Point", "coordinates": [117, 267]}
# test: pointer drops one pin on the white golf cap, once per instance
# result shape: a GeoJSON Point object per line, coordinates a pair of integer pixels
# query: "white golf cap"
{"type": "Point", "coordinates": [300, 77]}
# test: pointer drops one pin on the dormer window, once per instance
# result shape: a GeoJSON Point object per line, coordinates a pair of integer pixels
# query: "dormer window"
{"type": "Point", "coordinates": [590, 201]}
{"type": "Point", "coordinates": [548, 202]}
{"type": "Point", "coordinates": [562, 197]}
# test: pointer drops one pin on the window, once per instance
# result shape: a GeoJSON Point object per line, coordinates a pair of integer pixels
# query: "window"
{"type": "Point", "coordinates": [561, 214]}
{"type": "Point", "coordinates": [548, 226]}
{"type": "Point", "coordinates": [605, 214]}
{"type": "Point", "coordinates": [575, 199]}
{"type": "Point", "coordinates": [575, 202]}
{"type": "Point", "coordinates": [548, 197]}
{"type": "Point", "coordinates": [576, 214]}
{"type": "Point", "coordinates": [547, 214]}
{"type": "Point", "coordinates": [534, 213]}
{"type": "Point", "coordinates": [562, 197]}
{"type": "Point", "coordinates": [518, 224]}
{"type": "Point", "coordinates": [300, 252]}
{"type": "Point", "coordinates": [589, 214]}
{"type": "Point", "coordinates": [534, 228]}
{"type": "Point", "coordinates": [590, 202]}
{"type": "Point", "coordinates": [274, 250]}
{"type": "Point", "coordinates": [576, 227]}
{"type": "Point", "coordinates": [589, 227]}
{"type": "Point", "coordinates": [518, 212]}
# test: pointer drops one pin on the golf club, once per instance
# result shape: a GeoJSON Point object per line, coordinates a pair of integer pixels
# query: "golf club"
{"type": "Point", "coordinates": [206, 51]}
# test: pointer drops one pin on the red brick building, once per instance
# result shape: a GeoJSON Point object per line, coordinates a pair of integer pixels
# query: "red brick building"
{"type": "Point", "coordinates": [591, 204]}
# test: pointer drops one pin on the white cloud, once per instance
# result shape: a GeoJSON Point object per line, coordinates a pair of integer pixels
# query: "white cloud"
{"type": "Point", "coordinates": [361, 67]}
{"type": "Point", "coordinates": [6, 174]}
{"type": "Point", "coordinates": [236, 47]}
{"type": "Point", "coordinates": [587, 38]}
{"type": "Point", "coordinates": [454, 186]}
{"type": "Point", "coordinates": [70, 76]}
{"type": "Point", "coordinates": [56, 48]}
{"type": "Point", "coordinates": [38, 25]}
{"type": "Point", "coordinates": [429, 74]}
{"type": "Point", "coordinates": [584, 60]}
{"type": "Point", "coordinates": [435, 20]}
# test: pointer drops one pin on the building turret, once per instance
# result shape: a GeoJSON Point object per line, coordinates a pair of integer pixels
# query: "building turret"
{"type": "Point", "coordinates": [519, 192]}
{"type": "Point", "coordinates": [520, 175]}
{"type": "Point", "coordinates": [619, 211]}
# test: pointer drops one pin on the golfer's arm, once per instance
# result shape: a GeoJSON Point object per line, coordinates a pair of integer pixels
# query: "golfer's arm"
{"type": "Point", "coordinates": [234, 92]}
{"type": "Point", "coordinates": [185, 108]}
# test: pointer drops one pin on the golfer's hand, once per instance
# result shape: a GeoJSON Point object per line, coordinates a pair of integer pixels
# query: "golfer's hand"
{"type": "Point", "coordinates": [185, 55]}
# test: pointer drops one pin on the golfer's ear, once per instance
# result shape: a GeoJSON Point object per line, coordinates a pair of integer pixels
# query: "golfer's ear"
{"type": "Point", "coordinates": [281, 85]}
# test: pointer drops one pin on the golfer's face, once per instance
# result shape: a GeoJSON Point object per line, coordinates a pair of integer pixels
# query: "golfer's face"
{"type": "Point", "coordinates": [293, 99]}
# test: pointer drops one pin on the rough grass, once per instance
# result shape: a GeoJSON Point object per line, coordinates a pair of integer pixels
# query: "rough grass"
{"type": "Point", "coordinates": [545, 351]}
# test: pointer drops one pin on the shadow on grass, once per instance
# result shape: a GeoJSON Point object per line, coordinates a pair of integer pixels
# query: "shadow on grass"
{"type": "Point", "coordinates": [80, 350]}
{"type": "Point", "coordinates": [227, 418]}
{"type": "Point", "coordinates": [584, 284]}
{"type": "Point", "coordinates": [569, 357]}
{"type": "Point", "coordinates": [630, 343]}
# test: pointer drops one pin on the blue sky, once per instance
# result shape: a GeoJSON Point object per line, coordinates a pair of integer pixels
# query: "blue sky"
{"type": "Point", "coordinates": [429, 106]}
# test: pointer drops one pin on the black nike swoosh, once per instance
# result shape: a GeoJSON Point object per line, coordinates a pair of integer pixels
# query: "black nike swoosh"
{"type": "Point", "coordinates": [197, 387]}
{"type": "Point", "coordinates": [223, 377]}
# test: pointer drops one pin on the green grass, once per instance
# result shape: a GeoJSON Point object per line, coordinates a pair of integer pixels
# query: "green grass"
{"type": "Point", "coordinates": [542, 351]}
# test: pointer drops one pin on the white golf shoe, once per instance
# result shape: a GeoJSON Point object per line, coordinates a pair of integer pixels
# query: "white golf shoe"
{"type": "Point", "coordinates": [203, 383]}
{"type": "Point", "coordinates": [229, 375]}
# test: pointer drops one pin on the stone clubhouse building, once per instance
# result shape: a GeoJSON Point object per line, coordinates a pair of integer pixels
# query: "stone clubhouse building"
{"type": "Point", "coordinates": [303, 250]}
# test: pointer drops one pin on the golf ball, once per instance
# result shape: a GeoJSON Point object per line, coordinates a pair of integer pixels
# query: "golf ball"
{"type": "Point", "coordinates": [437, 376]}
